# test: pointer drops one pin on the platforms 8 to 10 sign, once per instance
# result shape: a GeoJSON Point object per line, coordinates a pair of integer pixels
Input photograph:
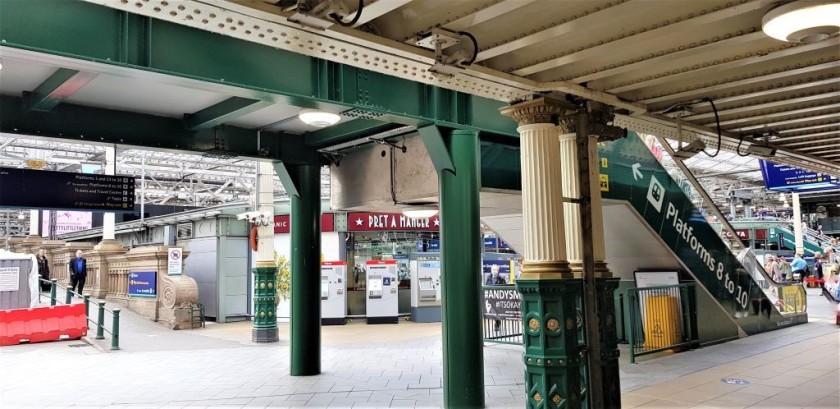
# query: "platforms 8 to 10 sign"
{"type": "Point", "coordinates": [42, 189]}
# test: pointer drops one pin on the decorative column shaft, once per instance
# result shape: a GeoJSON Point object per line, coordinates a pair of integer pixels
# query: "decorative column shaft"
{"type": "Point", "coordinates": [571, 190]}
{"type": "Point", "coordinates": [599, 250]}
{"type": "Point", "coordinates": [463, 349]}
{"type": "Point", "coordinates": [549, 293]}
{"type": "Point", "coordinates": [265, 273]}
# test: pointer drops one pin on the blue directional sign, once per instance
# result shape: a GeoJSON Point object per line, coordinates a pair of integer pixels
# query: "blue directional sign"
{"type": "Point", "coordinates": [142, 284]}
{"type": "Point", "coordinates": [787, 178]}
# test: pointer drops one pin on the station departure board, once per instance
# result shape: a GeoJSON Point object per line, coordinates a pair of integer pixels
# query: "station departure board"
{"type": "Point", "coordinates": [42, 189]}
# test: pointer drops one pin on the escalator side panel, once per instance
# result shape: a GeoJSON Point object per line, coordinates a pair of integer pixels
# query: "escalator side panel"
{"type": "Point", "coordinates": [634, 174]}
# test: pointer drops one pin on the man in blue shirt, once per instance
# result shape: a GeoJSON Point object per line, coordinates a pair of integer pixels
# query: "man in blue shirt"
{"type": "Point", "coordinates": [78, 272]}
{"type": "Point", "coordinates": [799, 266]}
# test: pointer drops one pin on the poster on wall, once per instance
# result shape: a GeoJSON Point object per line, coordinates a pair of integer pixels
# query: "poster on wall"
{"type": "Point", "coordinates": [142, 284]}
{"type": "Point", "coordinates": [66, 221]}
{"type": "Point", "coordinates": [9, 278]}
{"type": "Point", "coordinates": [504, 272]}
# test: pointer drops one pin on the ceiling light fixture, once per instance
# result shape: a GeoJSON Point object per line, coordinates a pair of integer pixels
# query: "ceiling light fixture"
{"type": "Point", "coordinates": [804, 21]}
{"type": "Point", "coordinates": [420, 212]}
{"type": "Point", "coordinates": [319, 119]}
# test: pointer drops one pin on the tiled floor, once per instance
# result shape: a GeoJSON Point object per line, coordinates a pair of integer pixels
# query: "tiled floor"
{"type": "Point", "coordinates": [399, 366]}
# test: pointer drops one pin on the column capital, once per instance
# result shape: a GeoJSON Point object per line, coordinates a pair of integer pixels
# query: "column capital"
{"type": "Point", "coordinates": [599, 125]}
{"type": "Point", "coordinates": [536, 111]}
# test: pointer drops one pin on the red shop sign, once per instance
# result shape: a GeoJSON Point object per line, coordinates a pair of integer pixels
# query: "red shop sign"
{"type": "Point", "coordinates": [390, 222]}
{"type": "Point", "coordinates": [743, 234]}
{"type": "Point", "coordinates": [283, 224]}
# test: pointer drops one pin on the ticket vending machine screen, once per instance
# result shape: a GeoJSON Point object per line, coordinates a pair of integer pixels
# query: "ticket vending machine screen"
{"type": "Point", "coordinates": [425, 284]}
{"type": "Point", "coordinates": [325, 287]}
{"type": "Point", "coordinates": [375, 286]}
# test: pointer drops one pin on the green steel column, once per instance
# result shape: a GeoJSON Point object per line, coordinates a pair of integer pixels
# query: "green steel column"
{"type": "Point", "coordinates": [463, 349]}
{"type": "Point", "coordinates": [306, 270]}
{"type": "Point", "coordinates": [549, 291]}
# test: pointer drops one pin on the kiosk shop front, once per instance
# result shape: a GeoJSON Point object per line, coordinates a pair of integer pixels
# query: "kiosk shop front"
{"type": "Point", "coordinates": [382, 301]}
{"type": "Point", "coordinates": [333, 292]}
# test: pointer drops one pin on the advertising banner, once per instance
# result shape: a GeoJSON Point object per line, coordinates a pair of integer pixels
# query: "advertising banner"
{"type": "Point", "coordinates": [66, 221]}
{"type": "Point", "coordinates": [502, 303]}
{"type": "Point", "coordinates": [142, 284]}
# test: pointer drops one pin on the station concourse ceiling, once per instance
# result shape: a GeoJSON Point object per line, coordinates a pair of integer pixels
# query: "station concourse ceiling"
{"type": "Point", "coordinates": [648, 59]}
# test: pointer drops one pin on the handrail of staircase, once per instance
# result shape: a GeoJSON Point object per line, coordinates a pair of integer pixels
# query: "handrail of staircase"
{"type": "Point", "coordinates": [736, 244]}
{"type": "Point", "coordinates": [822, 240]}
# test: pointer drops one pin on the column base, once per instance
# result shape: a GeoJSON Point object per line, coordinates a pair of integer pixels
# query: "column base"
{"type": "Point", "coordinates": [545, 270]}
{"type": "Point", "coordinates": [611, 382]}
{"type": "Point", "coordinates": [264, 335]}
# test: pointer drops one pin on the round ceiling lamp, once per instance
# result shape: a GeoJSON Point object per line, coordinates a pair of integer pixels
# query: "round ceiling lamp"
{"type": "Point", "coordinates": [420, 212]}
{"type": "Point", "coordinates": [804, 21]}
{"type": "Point", "coordinates": [319, 119]}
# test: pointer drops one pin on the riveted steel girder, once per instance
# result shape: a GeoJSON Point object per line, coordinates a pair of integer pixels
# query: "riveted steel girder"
{"type": "Point", "coordinates": [88, 32]}
{"type": "Point", "coordinates": [86, 124]}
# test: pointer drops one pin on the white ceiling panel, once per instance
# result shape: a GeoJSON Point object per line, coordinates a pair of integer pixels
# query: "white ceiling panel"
{"type": "Point", "coordinates": [18, 76]}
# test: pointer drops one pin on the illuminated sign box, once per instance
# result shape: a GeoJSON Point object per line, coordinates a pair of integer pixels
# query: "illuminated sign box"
{"type": "Point", "coordinates": [786, 178]}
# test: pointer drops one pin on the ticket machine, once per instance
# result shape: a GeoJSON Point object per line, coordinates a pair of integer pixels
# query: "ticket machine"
{"type": "Point", "coordinates": [382, 299]}
{"type": "Point", "coordinates": [425, 287]}
{"type": "Point", "coordinates": [333, 292]}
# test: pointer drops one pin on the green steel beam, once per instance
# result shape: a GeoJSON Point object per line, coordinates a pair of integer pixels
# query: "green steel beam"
{"type": "Point", "coordinates": [438, 151]}
{"type": "Point", "coordinates": [86, 124]}
{"type": "Point", "coordinates": [222, 112]}
{"type": "Point", "coordinates": [58, 87]}
{"type": "Point", "coordinates": [347, 131]}
{"type": "Point", "coordinates": [87, 32]}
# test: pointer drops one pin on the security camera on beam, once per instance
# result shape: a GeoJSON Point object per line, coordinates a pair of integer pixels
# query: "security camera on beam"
{"type": "Point", "coordinates": [256, 218]}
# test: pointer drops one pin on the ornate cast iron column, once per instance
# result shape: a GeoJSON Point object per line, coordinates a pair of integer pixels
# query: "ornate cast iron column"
{"type": "Point", "coordinates": [549, 293]}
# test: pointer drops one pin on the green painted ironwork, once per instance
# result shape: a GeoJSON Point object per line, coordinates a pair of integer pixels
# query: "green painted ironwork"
{"type": "Point", "coordinates": [682, 320]}
{"type": "Point", "coordinates": [305, 320]}
{"type": "Point", "coordinates": [100, 321]}
{"type": "Point", "coordinates": [87, 311]}
{"type": "Point", "coordinates": [347, 131]}
{"type": "Point", "coordinates": [83, 124]}
{"type": "Point", "coordinates": [59, 86]}
{"type": "Point", "coordinates": [53, 289]}
{"type": "Point", "coordinates": [115, 329]}
{"type": "Point", "coordinates": [222, 112]}
{"type": "Point", "coordinates": [552, 353]}
{"type": "Point", "coordinates": [610, 381]}
{"type": "Point", "coordinates": [87, 32]}
{"type": "Point", "coordinates": [265, 304]}
{"type": "Point", "coordinates": [463, 358]}
{"type": "Point", "coordinates": [68, 296]}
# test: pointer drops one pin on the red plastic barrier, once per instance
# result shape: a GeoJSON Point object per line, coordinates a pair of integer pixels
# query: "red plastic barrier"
{"type": "Point", "coordinates": [42, 324]}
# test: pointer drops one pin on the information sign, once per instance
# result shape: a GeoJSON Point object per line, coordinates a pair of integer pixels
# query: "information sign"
{"type": "Point", "coordinates": [142, 284]}
{"type": "Point", "coordinates": [9, 278]}
{"type": "Point", "coordinates": [176, 261]}
{"type": "Point", "coordinates": [787, 178]}
{"type": "Point", "coordinates": [44, 189]}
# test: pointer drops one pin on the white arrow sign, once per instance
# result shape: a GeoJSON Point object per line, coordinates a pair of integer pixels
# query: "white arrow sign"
{"type": "Point", "coordinates": [636, 174]}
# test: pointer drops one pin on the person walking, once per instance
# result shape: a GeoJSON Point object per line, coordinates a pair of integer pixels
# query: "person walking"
{"type": "Point", "coordinates": [43, 269]}
{"type": "Point", "coordinates": [78, 272]}
{"type": "Point", "coordinates": [818, 268]}
{"type": "Point", "coordinates": [784, 268]}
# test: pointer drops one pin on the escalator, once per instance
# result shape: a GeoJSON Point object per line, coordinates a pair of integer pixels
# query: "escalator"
{"type": "Point", "coordinates": [785, 237]}
{"type": "Point", "coordinates": [737, 283]}
{"type": "Point", "coordinates": [651, 223]}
